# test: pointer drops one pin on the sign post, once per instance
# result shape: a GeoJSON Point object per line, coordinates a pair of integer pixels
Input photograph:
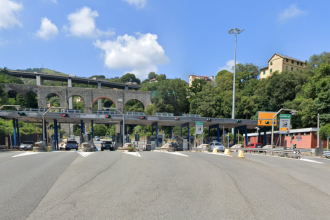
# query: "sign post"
{"type": "Point", "coordinates": [284, 123]}
{"type": "Point", "coordinates": [199, 128]}
{"type": "Point", "coordinates": [298, 138]}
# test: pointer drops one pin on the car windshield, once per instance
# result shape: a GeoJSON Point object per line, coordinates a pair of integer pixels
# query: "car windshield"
{"type": "Point", "coordinates": [28, 142]}
{"type": "Point", "coordinates": [218, 144]}
{"type": "Point", "coordinates": [72, 142]}
{"type": "Point", "coordinates": [259, 146]}
{"type": "Point", "coordinates": [106, 142]}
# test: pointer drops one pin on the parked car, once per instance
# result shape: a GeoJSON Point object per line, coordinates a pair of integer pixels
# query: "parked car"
{"type": "Point", "coordinates": [97, 138]}
{"type": "Point", "coordinates": [26, 145]}
{"type": "Point", "coordinates": [254, 145]}
{"type": "Point", "coordinates": [71, 144]}
{"type": "Point", "coordinates": [217, 145]}
{"type": "Point", "coordinates": [107, 145]}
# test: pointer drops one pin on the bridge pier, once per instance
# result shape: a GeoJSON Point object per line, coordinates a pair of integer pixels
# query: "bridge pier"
{"type": "Point", "coordinates": [99, 102]}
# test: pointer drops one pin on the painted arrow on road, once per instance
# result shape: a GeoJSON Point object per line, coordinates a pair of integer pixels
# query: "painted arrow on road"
{"type": "Point", "coordinates": [133, 154]}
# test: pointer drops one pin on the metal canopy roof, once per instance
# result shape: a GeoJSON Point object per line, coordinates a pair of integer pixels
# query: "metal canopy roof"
{"type": "Point", "coordinates": [129, 119]}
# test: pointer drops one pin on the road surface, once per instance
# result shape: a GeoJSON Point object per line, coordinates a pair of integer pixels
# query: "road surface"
{"type": "Point", "coordinates": [159, 185]}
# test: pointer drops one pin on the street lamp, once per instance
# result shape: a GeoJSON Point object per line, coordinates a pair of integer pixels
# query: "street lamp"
{"type": "Point", "coordinates": [234, 31]}
{"type": "Point", "coordinates": [292, 111]}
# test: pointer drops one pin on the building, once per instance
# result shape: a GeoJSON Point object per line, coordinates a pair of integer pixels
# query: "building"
{"type": "Point", "coordinates": [308, 136]}
{"type": "Point", "coordinates": [154, 80]}
{"type": "Point", "coordinates": [279, 62]}
{"type": "Point", "coordinates": [193, 77]}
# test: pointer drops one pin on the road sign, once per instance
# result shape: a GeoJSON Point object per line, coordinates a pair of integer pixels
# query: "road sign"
{"type": "Point", "coordinates": [199, 127]}
{"type": "Point", "coordinates": [284, 123]}
{"type": "Point", "coordinates": [298, 138]}
{"type": "Point", "coordinates": [266, 118]}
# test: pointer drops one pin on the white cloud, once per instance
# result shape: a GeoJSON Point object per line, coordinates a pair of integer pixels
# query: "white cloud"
{"type": "Point", "coordinates": [47, 29]}
{"type": "Point", "coordinates": [137, 3]}
{"type": "Point", "coordinates": [229, 65]}
{"type": "Point", "coordinates": [141, 54]}
{"type": "Point", "coordinates": [8, 13]}
{"type": "Point", "coordinates": [82, 24]}
{"type": "Point", "coordinates": [291, 12]}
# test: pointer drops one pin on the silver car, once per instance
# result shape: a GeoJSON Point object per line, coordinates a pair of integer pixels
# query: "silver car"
{"type": "Point", "coordinates": [217, 145]}
{"type": "Point", "coordinates": [26, 145]}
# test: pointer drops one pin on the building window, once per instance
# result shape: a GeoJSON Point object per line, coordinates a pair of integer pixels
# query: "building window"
{"type": "Point", "coordinates": [300, 64]}
{"type": "Point", "coordinates": [286, 67]}
{"type": "Point", "coordinates": [291, 68]}
{"type": "Point", "coordinates": [287, 60]}
{"type": "Point", "coordinates": [264, 72]}
{"type": "Point", "coordinates": [292, 61]}
{"type": "Point", "coordinates": [271, 70]}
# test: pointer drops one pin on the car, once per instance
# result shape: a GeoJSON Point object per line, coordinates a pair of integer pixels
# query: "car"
{"type": "Point", "coordinates": [217, 145]}
{"type": "Point", "coordinates": [71, 144]}
{"type": "Point", "coordinates": [254, 145]}
{"type": "Point", "coordinates": [107, 145]}
{"type": "Point", "coordinates": [97, 138]}
{"type": "Point", "coordinates": [26, 145]}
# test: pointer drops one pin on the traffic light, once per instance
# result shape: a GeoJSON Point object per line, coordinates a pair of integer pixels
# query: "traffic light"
{"type": "Point", "coordinates": [267, 122]}
{"type": "Point", "coordinates": [22, 113]}
{"type": "Point", "coordinates": [108, 116]}
{"type": "Point", "coordinates": [65, 115]}
{"type": "Point", "coordinates": [238, 121]}
{"type": "Point", "coordinates": [209, 119]}
{"type": "Point", "coordinates": [143, 117]}
{"type": "Point", "coordinates": [177, 119]}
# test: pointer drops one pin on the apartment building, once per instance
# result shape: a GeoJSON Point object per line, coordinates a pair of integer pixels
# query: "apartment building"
{"type": "Point", "coordinates": [193, 77]}
{"type": "Point", "coordinates": [279, 62]}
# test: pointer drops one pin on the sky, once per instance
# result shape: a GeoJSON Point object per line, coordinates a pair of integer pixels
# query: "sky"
{"type": "Point", "coordinates": [173, 37]}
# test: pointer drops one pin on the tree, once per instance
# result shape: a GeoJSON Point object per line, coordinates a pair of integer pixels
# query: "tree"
{"type": "Point", "coordinates": [152, 75]}
{"type": "Point", "coordinates": [246, 72]}
{"type": "Point", "coordinates": [129, 77]}
{"type": "Point", "coordinates": [171, 96]}
{"type": "Point", "coordinates": [100, 130]}
{"type": "Point", "coordinates": [325, 131]}
{"type": "Point", "coordinates": [161, 77]}
{"type": "Point", "coordinates": [134, 106]}
{"type": "Point", "coordinates": [97, 77]}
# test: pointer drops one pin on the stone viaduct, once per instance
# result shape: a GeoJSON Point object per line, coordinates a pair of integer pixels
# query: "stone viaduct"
{"type": "Point", "coordinates": [90, 96]}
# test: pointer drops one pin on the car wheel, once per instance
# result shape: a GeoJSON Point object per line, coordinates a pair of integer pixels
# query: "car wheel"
{"type": "Point", "coordinates": [102, 149]}
{"type": "Point", "coordinates": [76, 149]}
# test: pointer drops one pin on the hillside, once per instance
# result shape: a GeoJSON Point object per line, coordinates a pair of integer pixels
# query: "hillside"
{"type": "Point", "coordinates": [40, 70]}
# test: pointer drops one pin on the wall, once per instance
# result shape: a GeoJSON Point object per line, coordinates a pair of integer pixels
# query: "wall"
{"type": "Point", "coordinates": [90, 96]}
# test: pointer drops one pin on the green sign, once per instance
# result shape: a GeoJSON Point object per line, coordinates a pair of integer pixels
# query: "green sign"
{"type": "Point", "coordinates": [199, 127]}
{"type": "Point", "coordinates": [285, 116]}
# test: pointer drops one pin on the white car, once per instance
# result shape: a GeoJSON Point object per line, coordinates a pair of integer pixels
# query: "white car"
{"type": "Point", "coordinates": [217, 145]}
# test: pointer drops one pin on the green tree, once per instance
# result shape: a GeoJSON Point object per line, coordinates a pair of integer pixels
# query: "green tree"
{"type": "Point", "coordinates": [171, 96]}
{"type": "Point", "coordinates": [152, 75]}
{"type": "Point", "coordinates": [100, 130]}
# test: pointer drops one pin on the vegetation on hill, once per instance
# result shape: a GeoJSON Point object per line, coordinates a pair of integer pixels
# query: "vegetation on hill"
{"type": "Point", "coordinates": [307, 91]}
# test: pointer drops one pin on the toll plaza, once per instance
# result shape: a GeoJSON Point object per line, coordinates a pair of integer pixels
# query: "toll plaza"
{"type": "Point", "coordinates": [127, 118]}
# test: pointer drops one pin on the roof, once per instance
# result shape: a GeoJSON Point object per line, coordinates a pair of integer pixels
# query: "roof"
{"type": "Point", "coordinates": [292, 131]}
{"type": "Point", "coordinates": [285, 57]}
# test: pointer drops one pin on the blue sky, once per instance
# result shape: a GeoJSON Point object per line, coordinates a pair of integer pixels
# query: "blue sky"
{"type": "Point", "coordinates": [174, 37]}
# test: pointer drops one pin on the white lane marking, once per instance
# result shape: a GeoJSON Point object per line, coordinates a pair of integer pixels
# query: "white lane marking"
{"type": "Point", "coordinates": [26, 154]}
{"type": "Point", "coordinates": [312, 161]}
{"type": "Point", "coordinates": [219, 154]}
{"type": "Point", "coordinates": [133, 154]}
{"type": "Point", "coordinates": [179, 154]}
{"type": "Point", "coordinates": [85, 154]}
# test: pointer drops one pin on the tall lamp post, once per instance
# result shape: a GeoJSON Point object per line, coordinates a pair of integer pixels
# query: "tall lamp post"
{"type": "Point", "coordinates": [235, 31]}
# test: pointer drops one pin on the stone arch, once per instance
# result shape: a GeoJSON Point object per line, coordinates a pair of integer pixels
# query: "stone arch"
{"type": "Point", "coordinates": [104, 97]}
{"type": "Point", "coordinates": [29, 95]}
{"type": "Point", "coordinates": [135, 99]}
{"type": "Point", "coordinates": [52, 94]}
{"type": "Point", "coordinates": [85, 108]}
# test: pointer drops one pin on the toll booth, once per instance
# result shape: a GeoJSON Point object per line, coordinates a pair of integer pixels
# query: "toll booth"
{"type": "Point", "coordinates": [152, 140]}
{"type": "Point", "coordinates": [118, 140]}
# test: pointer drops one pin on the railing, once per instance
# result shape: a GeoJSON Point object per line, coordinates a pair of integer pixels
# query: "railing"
{"type": "Point", "coordinates": [105, 112]}
{"type": "Point", "coordinates": [163, 114]}
{"type": "Point", "coordinates": [135, 113]}
{"type": "Point", "coordinates": [191, 115]}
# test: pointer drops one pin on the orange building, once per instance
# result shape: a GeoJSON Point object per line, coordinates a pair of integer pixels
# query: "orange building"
{"type": "Point", "coordinates": [308, 136]}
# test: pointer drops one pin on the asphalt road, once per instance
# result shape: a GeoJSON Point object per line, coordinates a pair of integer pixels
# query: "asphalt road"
{"type": "Point", "coordinates": [157, 185]}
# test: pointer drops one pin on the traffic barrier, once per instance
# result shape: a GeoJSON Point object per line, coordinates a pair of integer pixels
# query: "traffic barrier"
{"type": "Point", "coordinates": [215, 150]}
{"type": "Point", "coordinates": [227, 152]}
{"type": "Point", "coordinates": [240, 154]}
